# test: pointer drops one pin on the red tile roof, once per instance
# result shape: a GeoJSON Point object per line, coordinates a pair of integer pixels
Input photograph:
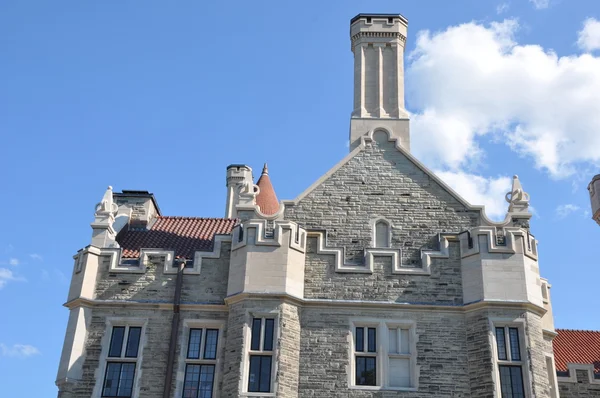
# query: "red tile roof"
{"type": "Point", "coordinates": [266, 198]}
{"type": "Point", "coordinates": [184, 235]}
{"type": "Point", "coordinates": [576, 346]}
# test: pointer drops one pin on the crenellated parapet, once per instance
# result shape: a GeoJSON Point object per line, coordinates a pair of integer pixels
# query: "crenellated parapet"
{"type": "Point", "coordinates": [507, 240]}
{"type": "Point", "coordinates": [267, 256]}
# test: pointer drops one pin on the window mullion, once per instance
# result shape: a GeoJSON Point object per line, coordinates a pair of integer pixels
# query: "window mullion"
{"type": "Point", "coordinates": [507, 344]}
{"type": "Point", "coordinates": [262, 334]}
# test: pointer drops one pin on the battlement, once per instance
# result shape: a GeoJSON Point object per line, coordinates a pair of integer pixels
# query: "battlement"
{"type": "Point", "coordinates": [493, 240]}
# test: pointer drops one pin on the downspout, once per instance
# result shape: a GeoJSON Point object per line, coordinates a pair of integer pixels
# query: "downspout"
{"type": "Point", "coordinates": [174, 330]}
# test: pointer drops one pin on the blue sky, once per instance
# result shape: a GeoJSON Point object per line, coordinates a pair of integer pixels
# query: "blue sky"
{"type": "Point", "coordinates": [162, 97]}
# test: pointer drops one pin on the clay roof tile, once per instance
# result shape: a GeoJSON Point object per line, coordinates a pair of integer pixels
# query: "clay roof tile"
{"type": "Point", "coordinates": [266, 198]}
{"type": "Point", "coordinates": [576, 346]}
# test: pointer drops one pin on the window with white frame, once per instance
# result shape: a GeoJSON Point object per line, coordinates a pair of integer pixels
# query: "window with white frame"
{"type": "Point", "coordinates": [382, 234]}
{"type": "Point", "coordinates": [384, 355]}
{"type": "Point", "coordinates": [121, 361]}
{"type": "Point", "coordinates": [260, 354]}
{"type": "Point", "coordinates": [200, 363]}
{"type": "Point", "coordinates": [510, 361]}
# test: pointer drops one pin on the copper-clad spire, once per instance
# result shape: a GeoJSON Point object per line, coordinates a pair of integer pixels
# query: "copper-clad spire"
{"type": "Point", "coordinates": [266, 198]}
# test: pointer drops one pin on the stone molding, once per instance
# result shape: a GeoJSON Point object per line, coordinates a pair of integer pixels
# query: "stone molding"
{"type": "Point", "coordinates": [469, 242]}
{"type": "Point", "coordinates": [573, 368]}
{"type": "Point", "coordinates": [297, 239]}
{"type": "Point", "coordinates": [371, 253]}
{"type": "Point", "coordinates": [386, 35]}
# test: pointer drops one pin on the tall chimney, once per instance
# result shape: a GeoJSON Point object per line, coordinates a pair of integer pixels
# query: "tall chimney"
{"type": "Point", "coordinates": [237, 175]}
{"type": "Point", "coordinates": [378, 45]}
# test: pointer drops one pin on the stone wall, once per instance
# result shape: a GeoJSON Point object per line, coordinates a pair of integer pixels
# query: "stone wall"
{"type": "Point", "coordinates": [441, 352]}
{"type": "Point", "coordinates": [582, 388]}
{"type": "Point", "coordinates": [380, 181]}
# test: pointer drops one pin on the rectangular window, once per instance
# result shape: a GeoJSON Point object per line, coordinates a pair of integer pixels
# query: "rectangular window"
{"type": "Point", "coordinates": [200, 363]}
{"type": "Point", "coordinates": [261, 354]}
{"type": "Point", "coordinates": [123, 352]}
{"type": "Point", "coordinates": [510, 367]}
{"type": "Point", "coordinates": [383, 355]}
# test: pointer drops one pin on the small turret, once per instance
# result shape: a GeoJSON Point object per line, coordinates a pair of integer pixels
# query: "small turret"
{"type": "Point", "coordinates": [518, 204]}
{"type": "Point", "coordinates": [266, 198]}
{"type": "Point", "coordinates": [104, 234]}
{"type": "Point", "coordinates": [594, 189]}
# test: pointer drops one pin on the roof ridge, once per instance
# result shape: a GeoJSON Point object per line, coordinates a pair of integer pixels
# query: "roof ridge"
{"type": "Point", "coordinates": [578, 330]}
{"type": "Point", "coordinates": [195, 218]}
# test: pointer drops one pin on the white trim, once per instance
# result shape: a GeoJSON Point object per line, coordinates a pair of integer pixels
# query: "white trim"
{"type": "Point", "coordinates": [382, 354]}
{"type": "Point", "coordinates": [523, 346]}
{"type": "Point", "coordinates": [218, 362]}
{"type": "Point", "coordinates": [297, 240]}
{"type": "Point", "coordinates": [247, 338]}
{"type": "Point", "coordinates": [529, 248]}
{"type": "Point", "coordinates": [105, 344]}
{"type": "Point", "coordinates": [573, 368]}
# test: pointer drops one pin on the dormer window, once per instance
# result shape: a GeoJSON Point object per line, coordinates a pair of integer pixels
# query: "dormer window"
{"type": "Point", "coordinates": [382, 234]}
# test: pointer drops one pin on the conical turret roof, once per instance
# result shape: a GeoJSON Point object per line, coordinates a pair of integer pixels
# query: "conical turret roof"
{"type": "Point", "coordinates": [266, 198]}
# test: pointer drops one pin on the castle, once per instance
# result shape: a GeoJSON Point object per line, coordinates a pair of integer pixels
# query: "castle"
{"type": "Point", "coordinates": [377, 281]}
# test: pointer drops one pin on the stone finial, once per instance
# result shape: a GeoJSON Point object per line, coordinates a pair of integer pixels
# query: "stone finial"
{"type": "Point", "coordinates": [107, 205]}
{"type": "Point", "coordinates": [265, 170]}
{"type": "Point", "coordinates": [517, 198]}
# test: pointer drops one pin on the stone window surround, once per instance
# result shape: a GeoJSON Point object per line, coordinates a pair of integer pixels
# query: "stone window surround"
{"type": "Point", "coordinates": [523, 346]}
{"type": "Point", "coordinates": [373, 225]}
{"type": "Point", "coordinates": [79, 260]}
{"type": "Point", "coordinates": [552, 371]}
{"type": "Point", "coordinates": [573, 368]}
{"type": "Point", "coordinates": [104, 359]}
{"type": "Point", "coordinates": [251, 314]}
{"type": "Point", "coordinates": [200, 324]}
{"type": "Point", "coordinates": [382, 365]}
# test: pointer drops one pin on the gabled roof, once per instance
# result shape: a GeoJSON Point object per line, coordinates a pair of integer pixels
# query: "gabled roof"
{"type": "Point", "coordinates": [266, 198]}
{"type": "Point", "coordinates": [576, 346]}
{"type": "Point", "coordinates": [184, 235]}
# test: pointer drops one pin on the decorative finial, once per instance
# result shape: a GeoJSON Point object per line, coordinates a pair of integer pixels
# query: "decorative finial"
{"type": "Point", "coordinates": [107, 205]}
{"type": "Point", "coordinates": [265, 169]}
{"type": "Point", "coordinates": [517, 198]}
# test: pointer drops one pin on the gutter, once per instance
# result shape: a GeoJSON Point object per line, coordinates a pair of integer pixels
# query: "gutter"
{"type": "Point", "coordinates": [174, 330]}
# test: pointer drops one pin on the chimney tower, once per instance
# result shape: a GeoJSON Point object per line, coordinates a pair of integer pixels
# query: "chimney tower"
{"type": "Point", "coordinates": [378, 45]}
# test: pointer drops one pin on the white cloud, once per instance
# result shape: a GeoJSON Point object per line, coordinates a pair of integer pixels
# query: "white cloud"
{"type": "Point", "coordinates": [540, 4]}
{"type": "Point", "coordinates": [588, 38]}
{"type": "Point", "coordinates": [479, 190]}
{"type": "Point", "coordinates": [474, 80]}
{"type": "Point", "coordinates": [36, 256]}
{"type": "Point", "coordinates": [501, 8]}
{"type": "Point", "coordinates": [13, 261]}
{"type": "Point", "coordinates": [19, 350]}
{"type": "Point", "coordinates": [563, 211]}
{"type": "Point", "coordinates": [7, 275]}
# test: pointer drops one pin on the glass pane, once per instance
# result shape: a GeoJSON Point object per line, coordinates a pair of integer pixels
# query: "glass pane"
{"type": "Point", "coordinates": [207, 376]}
{"type": "Point", "coordinates": [111, 380]}
{"type": "Point", "coordinates": [126, 382]}
{"type": "Point", "coordinates": [254, 375]}
{"type": "Point", "coordinates": [255, 343]}
{"type": "Point", "coordinates": [404, 341]}
{"type": "Point", "coordinates": [259, 379]}
{"type": "Point", "coordinates": [269, 326]}
{"type": "Point", "coordinates": [393, 340]}
{"type": "Point", "coordinates": [517, 382]}
{"type": "Point", "coordinates": [265, 374]}
{"type": "Point", "coordinates": [116, 341]}
{"type": "Point", "coordinates": [515, 350]}
{"type": "Point", "coordinates": [505, 382]}
{"type": "Point", "coordinates": [190, 383]}
{"type": "Point", "coordinates": [372, 347]}
{"type": "Point", "coordinates": [359, 342]}
{"type": "Point", "coordinates": [365, 371]}
{"type": "Point", "coordinates": [133, 342]}
{"type": "Point", "coordinates": [360, 365]}
{"type": "Point", "coordinates": [194, 343]}
{"type": "Point", "coordinates": [501, 343]}
{"type": "Point", "coordinates": [210, 344]}
{"type": "Point", "coordinates": [399, 372]}
{"type": "Point", "coordinates": [381, 234]}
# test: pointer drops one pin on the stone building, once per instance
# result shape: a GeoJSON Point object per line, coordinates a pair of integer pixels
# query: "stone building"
{"type": "Point", "coordinates": [377, 281]}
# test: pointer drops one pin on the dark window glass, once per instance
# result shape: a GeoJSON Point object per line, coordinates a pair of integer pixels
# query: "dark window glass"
{"type": "Point", "coordinates": [515, 349]}
{"type": "Point", "coordinates": [366, 372]}
{"type": "Point", "coordinates": [255, 343]}
{"type": "Point", "coordinates": [118, 381]}
{"type": "Point", "coordinates": [372, 340]}
{"type": "Point", "coordinates": [133, 342]}
{"type": "Point", "coordinates": [210, 344]}
{"type": "Point", "coordinates": [269, 326]}
{"type": "Point", "coordinates": [501, 343]}
{"type": "Point", "coordinates": [259, 379]}
{"type": "Point", "coordinates": [194, 343]}
{"type": "Point", "coordinates": [360, 340]}
{"type": "Point", "coordinates": [511, 382]}
{"type": "Point", "coordinates": [116, 341]}
{"type": "Point", "coordinates": [199, 381]}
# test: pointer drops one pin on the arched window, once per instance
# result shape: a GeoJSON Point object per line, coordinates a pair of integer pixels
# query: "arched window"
{"type": "Point", "coordinates": [382, 234]}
